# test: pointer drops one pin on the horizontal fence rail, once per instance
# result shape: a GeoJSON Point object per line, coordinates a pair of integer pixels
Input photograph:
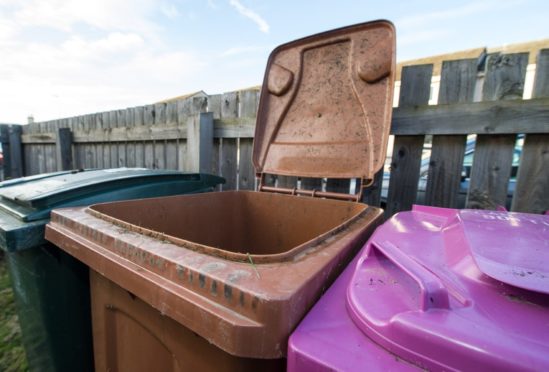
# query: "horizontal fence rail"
{"type": "Point", "coordinates": [214, 134]}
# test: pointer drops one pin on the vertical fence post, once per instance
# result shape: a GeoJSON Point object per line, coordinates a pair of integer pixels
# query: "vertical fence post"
{"type": "Point", "coordinates": [16, 152]}
{"type": "Point", "coordinates": [199, 142]}
{"type": "Point", "coordinates": [63, 147]}
{"type": "Point", "coordinates": [533, 173]}
{"type": "Point", "coordinates": [493, 159]}
{"type": "Point", "coordinates": [457, 85]}
{"type": "Point", "coordinates": [406, 162]}
{"type": "Point", "coordinates": [5, 140]}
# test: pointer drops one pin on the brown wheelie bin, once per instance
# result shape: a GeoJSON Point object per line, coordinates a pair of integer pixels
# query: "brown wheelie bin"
{"type": "Point", "coordinates": [219, 280]}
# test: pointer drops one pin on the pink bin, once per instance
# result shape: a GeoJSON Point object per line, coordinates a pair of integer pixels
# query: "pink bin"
{"type": "Point", "coordinates": [437, 289]}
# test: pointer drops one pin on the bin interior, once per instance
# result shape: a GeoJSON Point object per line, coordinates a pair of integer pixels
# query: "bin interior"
{"type": "Point", "coordinates": [237, 222]}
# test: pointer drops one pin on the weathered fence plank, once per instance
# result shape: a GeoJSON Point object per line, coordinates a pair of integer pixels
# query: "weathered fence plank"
{"type": "Point", "coordinates": [16, 152]}
{"type": "Point", "coordinates": [497, 117]}
{"type": "Point", "coordinates": [121, 122]}
{"type": "Point", "coordinates": [47, 161]}
{"type": "Point", "coordinates": [159, 145]}
{"type": "Point", "coordinates": [248, 104]}
{"type": "Point", "coordinates": [171, 146]}
{"type": "Point", "coordinates": [149, 155]}
{"type": "Point", "coordinates": [228, 163]}
{"type": "Point", "coordinates": [311, 183]}
{"type": "Point", "coordinates": [181, 153]}
{"type": "Point", "coordinates": [144, 115]}
{"type": "Point", "coordinates": [490, 175]}
{"type": "Point", "coordinates": [160, 154]}
{"type": "Point", "coordinates": [229, 105]}
{"type": "Point", "coordinates": [532, 188]}
{"type": "Point", "coordinates": [171, 155]}
{"type": "Point", "coordinates": [491, 170]}
{"type": "Point", "coordinates": [43, 127]}
{"type": "Point", "coordinates": [181, 143]}
{"type": "Point", "coordinates": [37, 153]}
{"type": "Point", "coordinates": [199, 142]}
{"type": "Point", "coordinates": [130, 145]}
{"type": "Point", "coordinates": [340, 185]}
{"type": "Point", "coordinates": [160, 113]}
{"type": "Point", "coordinates": [246, 172]}
{"type": "Point", "coordinates": [148, 147]}
{"type": "Point", "coordinates": [64, 149]}
{"type": "Point", "coordinates": [5, 140]}
{"type": "Point", "coordinates": [103, 149]}
{"type": "Point", "coordinates": [37, 158]}
{"type": "Point", "coordinates": [139, 121]}
{"type": "Point", "coordinates": [98, 147]}
{"type": "Point", "coordinates": [229, 146]}
{"type": "Point", "coordinates": [113, 123]}
{"type": "Point", "coordinates": [89, 156]}
{"type": "Point", "coordinates": [457, 85]}
{"type": "Point", "coordinates": [504, 79]}
{"type": "Point", "coordinates": [405, 164]}
{"type": "Point", "coordinates": [214, 105]}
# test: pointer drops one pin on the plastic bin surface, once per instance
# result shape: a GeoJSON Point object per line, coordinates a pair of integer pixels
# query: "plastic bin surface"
{"type": "Point", "coordinates": [51, 288]}
{"type": "Point", "coordinates": [25, 203]}
{"type": "Point", "coordinates": [440, 289]}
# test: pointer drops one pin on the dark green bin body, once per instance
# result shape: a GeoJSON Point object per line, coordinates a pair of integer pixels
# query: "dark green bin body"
{"type": "Point", "coordinates": [51, 288]}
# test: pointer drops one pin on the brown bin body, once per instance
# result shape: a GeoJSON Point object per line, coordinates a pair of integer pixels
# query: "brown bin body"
{"type": "Point", "coordinates": [238, 268]}
{"type": "Point", "coordinates": [131, 335]}
{"type": "Point", "coordinates": [219, 280]}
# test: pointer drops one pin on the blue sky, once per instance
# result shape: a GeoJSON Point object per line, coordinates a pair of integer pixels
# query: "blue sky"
{"type": "Point", "coordinates": [61, 58]}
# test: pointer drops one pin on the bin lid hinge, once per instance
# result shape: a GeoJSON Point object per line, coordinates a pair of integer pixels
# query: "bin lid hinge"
{"type": "Point", "coordinates": [312, 193]}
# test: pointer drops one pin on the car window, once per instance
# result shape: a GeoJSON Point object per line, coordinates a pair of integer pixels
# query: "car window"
{"type": "Point", "coordinates": [468, 159]}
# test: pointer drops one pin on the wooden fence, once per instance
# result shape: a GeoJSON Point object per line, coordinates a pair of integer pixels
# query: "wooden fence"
{"type": "Point", "coordinates": [215, 133]}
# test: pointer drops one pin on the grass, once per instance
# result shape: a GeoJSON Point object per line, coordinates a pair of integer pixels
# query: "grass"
{"type": "Point", "coordinates": [12, 354]}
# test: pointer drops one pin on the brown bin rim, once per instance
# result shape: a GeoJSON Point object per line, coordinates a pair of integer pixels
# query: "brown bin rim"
{"type": "Point", "coordinates": [289, 255]}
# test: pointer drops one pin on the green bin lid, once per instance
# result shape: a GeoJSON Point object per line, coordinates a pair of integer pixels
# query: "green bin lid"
{"type": "Point", "coordinates": [16, 181]}
{"type": "Point", "coordinates": [25, 203]}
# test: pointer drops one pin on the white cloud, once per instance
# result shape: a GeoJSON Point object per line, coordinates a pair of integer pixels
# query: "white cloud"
{"type": "Point", "coordinates": [170, 11]}
{"type": "Point", "coordinates": [80, 77]}
{"type": "Point", "coordinates": [65, 15]}
{"type": "Point", "coordinates": [248, 13]}
{"type": "Point", "coordinates": [115, 42]}
{"type": "Point", "coordinates": [118, 59]}
{"type": "Point", "coordinates": [8, 31]}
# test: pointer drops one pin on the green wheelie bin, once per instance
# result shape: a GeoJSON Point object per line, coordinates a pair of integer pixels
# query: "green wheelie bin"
{"type": "Point", "coordinates": [51, 287]}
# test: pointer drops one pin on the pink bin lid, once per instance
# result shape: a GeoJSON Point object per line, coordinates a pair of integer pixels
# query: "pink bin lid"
{"type": "Point", "coordinates": [510, 247]}
{"type": "Point", "coordinates": [454, 290]}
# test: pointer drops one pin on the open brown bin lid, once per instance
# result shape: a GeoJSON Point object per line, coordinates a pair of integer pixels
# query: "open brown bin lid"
{"type": "Point", "coordinates": [326, 104]}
